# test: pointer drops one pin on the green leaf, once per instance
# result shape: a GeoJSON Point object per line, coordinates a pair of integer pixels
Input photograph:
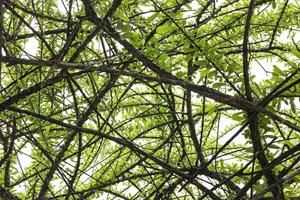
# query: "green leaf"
{"type": "Point", "coordinates": [163, 57]}
{"type": "Point", "coordinates": [180, 74]}
{"type": "Point", "coordinates": [212, 110]}
{"type": "Point", "coordinates": [293, 107]}
{"type": "Point", "coordinates": [164, 29]}
{"type": "Point", "coordinates": [273, 4]}
{"type": "Point", "coordinates": [296, 53]}
{"type": "Point", "coordinates": [123, 26]}
{"type": "Point", "coordinates": [218, 85]}
{"type": "Point", "coordinates": [152, 17]}
{"type": "Point", "coordinates": [277, 70]}
{"type": "Point", "coordinates": [47, 130]}
{"type": "Point", "coordinates": [289, 143]}
{"type": "Point", "coordinates": [121, 15]}
{"type": "Point", "coordinates": [270, 136]}
{"type": "Point", "coordinates": [273, 146]}
{"type": "Point", "coordinates": [237, 116]}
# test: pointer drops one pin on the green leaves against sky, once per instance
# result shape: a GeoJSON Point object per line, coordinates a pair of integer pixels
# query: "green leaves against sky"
{"type": "Point", "coordinates": [148, 99]}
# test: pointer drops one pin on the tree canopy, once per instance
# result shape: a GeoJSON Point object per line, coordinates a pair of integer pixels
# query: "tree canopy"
{"type": "Point", "coordinates": [149, 99]}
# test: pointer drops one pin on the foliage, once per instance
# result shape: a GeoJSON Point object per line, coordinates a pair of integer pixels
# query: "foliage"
{"type": "Point", "coordinates": [158, 99]}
